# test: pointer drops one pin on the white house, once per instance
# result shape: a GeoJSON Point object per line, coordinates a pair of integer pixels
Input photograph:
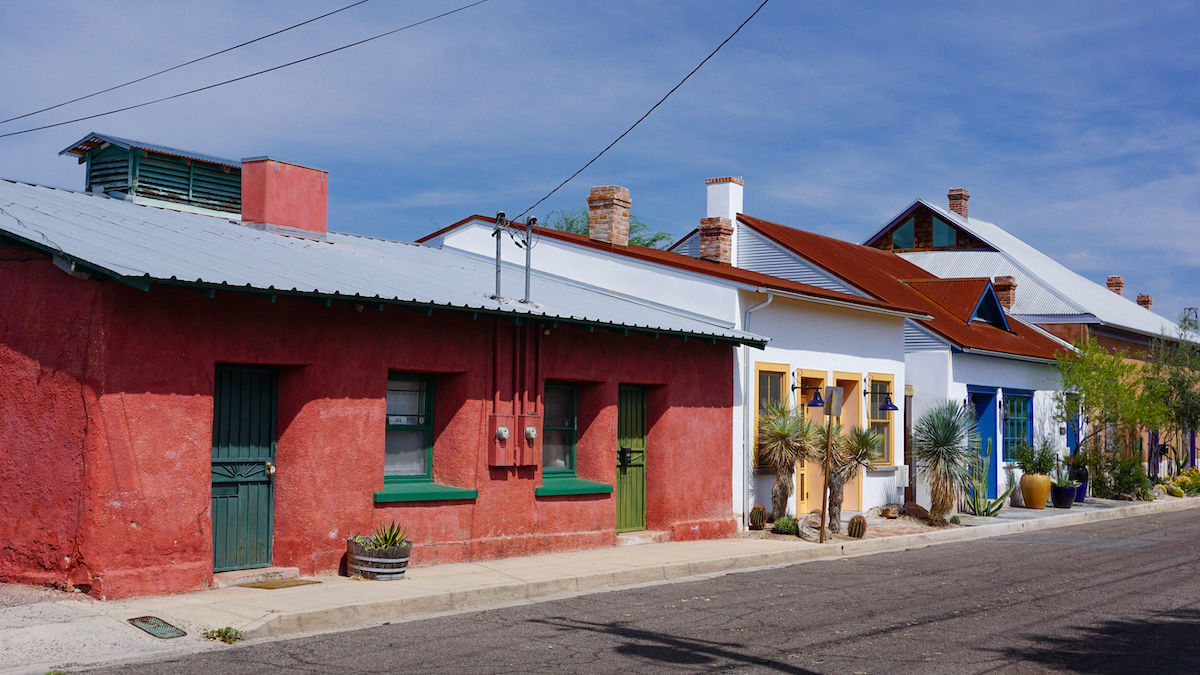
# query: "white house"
{"type": "Point", "coordinates": [970, 350]}
{"type": "Point", "coordinates": [819, 336]}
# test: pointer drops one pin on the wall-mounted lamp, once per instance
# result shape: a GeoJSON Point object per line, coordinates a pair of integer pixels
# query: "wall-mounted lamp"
{"type": "Point", "coordinates": [887, 405]}
{"type": "Point", "coordinates": [816, 401]}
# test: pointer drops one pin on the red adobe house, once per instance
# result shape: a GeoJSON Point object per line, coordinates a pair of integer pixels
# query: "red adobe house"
{"type": "Point", "coordinates": [186, 389]}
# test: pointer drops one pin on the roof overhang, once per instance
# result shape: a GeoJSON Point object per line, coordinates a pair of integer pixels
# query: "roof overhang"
{"type": "Point", "coordinates": [1000, 355]}
{"type": "Point", "coordinates": [838, 303]}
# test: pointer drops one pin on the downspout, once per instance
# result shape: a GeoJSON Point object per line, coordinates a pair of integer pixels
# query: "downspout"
{"type": "Point", "coordinates": [748, 460]}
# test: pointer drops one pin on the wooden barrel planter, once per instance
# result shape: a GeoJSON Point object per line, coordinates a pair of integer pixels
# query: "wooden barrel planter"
{"type": "Point", "coordinates": [381, 564]}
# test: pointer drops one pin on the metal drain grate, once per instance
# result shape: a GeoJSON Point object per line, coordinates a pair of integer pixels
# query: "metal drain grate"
{"type": "Point", "coordinates": [157, 627]}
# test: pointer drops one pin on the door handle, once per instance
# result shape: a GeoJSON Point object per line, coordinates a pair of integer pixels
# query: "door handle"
{"type": "Point", "coordinates": [270, 469]}
{"type": "Point", "coordinates": [626, 454]}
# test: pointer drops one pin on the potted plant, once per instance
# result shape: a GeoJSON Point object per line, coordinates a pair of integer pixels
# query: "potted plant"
{"type": "Point", "coordinates": [1079, 473]}
{"type": "Point", "coordinates": [1036, 465]}
{"type": "Point", "coordinates": [1062, 489]}
{"type": "Point", "coordinates": [383, 556]}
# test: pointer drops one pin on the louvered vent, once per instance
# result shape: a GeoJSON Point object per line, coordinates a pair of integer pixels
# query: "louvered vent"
{"type": "Point", "coordinates": [141, 172]}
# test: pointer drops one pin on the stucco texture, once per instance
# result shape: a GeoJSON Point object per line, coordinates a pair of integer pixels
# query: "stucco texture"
{"type": "Point", "coordinates": [106, 414]}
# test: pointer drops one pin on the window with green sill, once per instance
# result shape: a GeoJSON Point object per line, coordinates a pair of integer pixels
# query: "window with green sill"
{"type": "Point", "coordinates": [408, 448]}
{"type": "Point", "coordinates": [558, 431]}
{"type": "Point", "coordinates": [1018, 422]}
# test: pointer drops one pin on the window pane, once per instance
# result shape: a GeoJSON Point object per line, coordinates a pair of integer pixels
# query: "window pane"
{"type": "Point", "coordinates": [879, 393]}
{"type": "Point", "coordinates": [559, 407]}
{"type": "Point", "coordinates": [405, 452]}
{"type": "Point", "coordinates": [879, 454]}
{"type": "Point", "coordinates": [902, 237]}
{"type": "Point", "coordinates": [405, 402]}
{"type": "Point", "coordinates": [556, 449]}
{"type": "Point", "coordinates": [1018, 424]}
{"type": "Point", "coordinates": [943, 234]}
{"type": "Point", "coordinates": [770, 388]}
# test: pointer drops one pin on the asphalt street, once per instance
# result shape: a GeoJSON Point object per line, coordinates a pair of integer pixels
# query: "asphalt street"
{"type": "Point", "coordinates": [1105, 598]}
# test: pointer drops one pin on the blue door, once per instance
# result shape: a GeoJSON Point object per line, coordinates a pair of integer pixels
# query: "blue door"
{"type": "Point", "coordinates": [985, 413]}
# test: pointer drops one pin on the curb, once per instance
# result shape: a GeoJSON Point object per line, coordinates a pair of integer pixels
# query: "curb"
{"type": "Point", "coordinates": [341, 617]}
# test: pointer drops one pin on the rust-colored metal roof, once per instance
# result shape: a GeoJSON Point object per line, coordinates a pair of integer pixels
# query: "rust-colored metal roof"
{"type": "Point", "coordinates": [960, 297]}
{"type": "Point", "coordinates": [889, 277]}
{"type": "Point", "coordinates": [684, 262]}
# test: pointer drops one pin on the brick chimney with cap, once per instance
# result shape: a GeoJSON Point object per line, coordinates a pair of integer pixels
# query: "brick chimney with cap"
{"type": "Point", "coordinates": [1006, 291]}
{"type": "Point", "coordinates": [608, 215]}
{"type": "Point", "coordinates": [1117, 285]}
{"type": "Point", "coordinates": [718, 230]}
{"type": "Point", "coordinates": [1146, 301]}
{"type": "Point", "coordinates": [958, 200]}
{"type": "Point", "coordinates": [284, 194]}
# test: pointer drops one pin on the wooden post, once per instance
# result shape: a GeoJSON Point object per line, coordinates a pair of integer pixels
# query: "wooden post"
{"type": "Point", "coordinates": [825, 473]}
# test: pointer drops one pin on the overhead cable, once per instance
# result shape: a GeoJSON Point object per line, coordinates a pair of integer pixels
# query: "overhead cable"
{"type": "Point", "coordinates": [186, 63]}
{"type": "Point", "coordinates": [245, 77]}
{"type": "Point", "coordinates": [610, 145]}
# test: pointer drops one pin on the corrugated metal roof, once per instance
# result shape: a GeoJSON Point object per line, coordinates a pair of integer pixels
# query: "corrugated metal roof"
{"type": "Point", "coordinates": [960, 297]}
{"type": "Point", "coordinates": [141, 243]}
{"type": "Point", "coordinates": [880, 273]}
{"type": "Point", "coordinates": [90, 141]}
{"type": "Point", "coordinates": [1032, 298]}
{"type": "Point", "coordinates": [1038, 269]}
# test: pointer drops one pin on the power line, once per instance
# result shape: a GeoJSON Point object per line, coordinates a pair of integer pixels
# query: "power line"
{"type": "Point", "coordinates": [188, 63]}
{"type": "Point", "coordinates": [244, 77]}
{"type": "Point", "coordinates": [610, 145]}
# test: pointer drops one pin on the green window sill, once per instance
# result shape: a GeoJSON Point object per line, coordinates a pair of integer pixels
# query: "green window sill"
{"type": "Point", "coordinates": [422, 492]}
{"type": "Point", "coordinates": [553, 487]}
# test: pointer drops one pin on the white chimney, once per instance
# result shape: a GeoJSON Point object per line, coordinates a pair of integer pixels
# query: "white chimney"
{"type": "Point", "coordinates": [725, 201]}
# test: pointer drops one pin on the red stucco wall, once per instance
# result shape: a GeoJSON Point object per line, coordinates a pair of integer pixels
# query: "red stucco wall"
{"type": "Point", "coordinates": [128, 501]}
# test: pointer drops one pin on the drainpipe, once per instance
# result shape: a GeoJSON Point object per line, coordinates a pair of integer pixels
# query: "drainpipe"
{"type": "Point", "coordinates": [747, 437]}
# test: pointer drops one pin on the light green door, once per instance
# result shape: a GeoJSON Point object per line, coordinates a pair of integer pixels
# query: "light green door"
{"type": "Point", "coordinates": [631, 458]}
{"type": "Point", "coordinates": [243, 456]}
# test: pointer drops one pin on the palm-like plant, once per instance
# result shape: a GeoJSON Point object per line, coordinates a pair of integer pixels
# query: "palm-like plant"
{"type": "Point", "coordinates": [945, 445]}
{"type": "Point", "coordinates": [784, 437]}
{"type": "Point", "coordinates": [851, 452]}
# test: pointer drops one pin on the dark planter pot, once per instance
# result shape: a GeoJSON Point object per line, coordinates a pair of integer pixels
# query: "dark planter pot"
{"type": "Point", "coordinates": [381, 564]}
{"type": "Point", "coordinates": [1062, 497]}
{"type": "Point", "coordinates": [1080, 473]}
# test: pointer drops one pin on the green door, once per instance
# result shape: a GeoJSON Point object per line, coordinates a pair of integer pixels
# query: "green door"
{"type": "Point", "coordinates": [243, 466]}
{"type": "Point", "coordinates": [631, 458]}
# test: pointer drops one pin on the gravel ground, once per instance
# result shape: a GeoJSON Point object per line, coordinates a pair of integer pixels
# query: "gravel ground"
{"type": "Point", "coordinates": [15, 595]}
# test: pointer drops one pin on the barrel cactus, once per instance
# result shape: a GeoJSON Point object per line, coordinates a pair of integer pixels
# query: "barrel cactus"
{"type": "Point", "coordinates": [758, 516]}
{"type": "Point", "coordinates": [857, 527]}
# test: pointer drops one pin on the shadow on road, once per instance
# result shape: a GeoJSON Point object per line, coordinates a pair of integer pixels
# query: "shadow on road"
{"type": "Point", "coordinates": [663, 648]}
{"type": "Point", "coordinates": [1167, 643]}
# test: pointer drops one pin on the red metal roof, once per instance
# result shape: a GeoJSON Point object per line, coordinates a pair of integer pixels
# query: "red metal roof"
{"type": "Point", "coordinates": [889, 277]}
{"type": "Point", "coordinates": [960, 297]}
{"type": "Point", "coordinates": [684, 262]}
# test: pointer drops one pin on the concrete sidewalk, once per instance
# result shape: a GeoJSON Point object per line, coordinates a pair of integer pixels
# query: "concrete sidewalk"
{"type": "Point", "coordinates": [78, 632]}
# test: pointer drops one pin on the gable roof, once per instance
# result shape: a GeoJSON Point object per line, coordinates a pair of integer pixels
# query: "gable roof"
{"type": "Point", "coordinates": [966, 299]}
{"type": "Point", "coordinates": [882, 275]}
{"type": "Point", "coordinates": [712, 269]}
{"type": "Point", "coordinates": [1046, 290]}
{"type": "Point", "coordinates": [139, 245]}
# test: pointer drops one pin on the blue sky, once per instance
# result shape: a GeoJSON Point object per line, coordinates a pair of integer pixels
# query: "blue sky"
{"type": "Point", "coordinates": [1073, 124]}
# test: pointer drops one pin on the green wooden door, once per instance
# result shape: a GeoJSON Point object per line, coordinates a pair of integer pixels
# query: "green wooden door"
{"type": "Point", "coordinates": [631, 458]}
{"type": "Point", "coordinates": [243, 458]}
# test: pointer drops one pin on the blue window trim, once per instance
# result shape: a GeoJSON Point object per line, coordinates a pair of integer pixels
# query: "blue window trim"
{"type": "Point", "coordinates": [988, 292]}
{"type": "Point", "coordinates": [1027, 396]}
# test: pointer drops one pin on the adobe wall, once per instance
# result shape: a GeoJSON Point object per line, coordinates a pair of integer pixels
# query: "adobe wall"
{"type": "Point", "coordinates": [143, 484]}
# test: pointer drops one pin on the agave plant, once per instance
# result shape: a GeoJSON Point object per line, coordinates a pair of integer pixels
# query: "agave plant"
{"type": "Point", "coordinates": [851, 452]}
{"type": "Point", "coordinates": [383, 537]}
{"type": "Point", "coordinates": [945, 445]}
{"type": "Point", "coordinates": [977, 490]}
{"type": "Point", "coordinates": [784, 438]}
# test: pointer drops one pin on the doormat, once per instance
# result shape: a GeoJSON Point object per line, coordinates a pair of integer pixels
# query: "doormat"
{"type": "Point", "coordinates": [157, 627]}
{"type": "Point", "coordinates": [280, 583]}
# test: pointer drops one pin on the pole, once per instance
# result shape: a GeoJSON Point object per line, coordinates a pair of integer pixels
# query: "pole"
{"type": "Point", "coordinates": [496, 234]}
{"type": "Point", "coordinates": [528, 252]}
{"type": "Point", "coordinates": [825, 473]}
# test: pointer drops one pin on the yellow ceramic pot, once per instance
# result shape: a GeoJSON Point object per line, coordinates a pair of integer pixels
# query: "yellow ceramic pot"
{"type": "Point", "coordinates": [1035, 490]}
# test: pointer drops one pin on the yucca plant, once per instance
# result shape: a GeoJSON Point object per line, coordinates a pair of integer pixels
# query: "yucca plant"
{"type": "Point", "coordinates": [977, 488]}
{"type": "Point", "coordinates": [784, 437]}
{"type": "Point", "coordinates": [945, 445]}
{"type": "Point", "coordinates": [851, 452]}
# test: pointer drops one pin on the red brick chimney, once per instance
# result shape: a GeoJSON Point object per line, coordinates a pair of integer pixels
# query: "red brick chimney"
{"type": "Point", "coordinates": [1117, 285]}
{"type": "Point", "coordinates": [284, 194]}
{"type": "Point", "coordinates": [1006, 291]}
{"type": "Point", "coordinates": [608, 215]}
{"type": "Point", "coordinates": [716, 240]}
{"type": "Point", "coordinates": [958, 200]}
{"type": "Point", "coordinates": [1146, 301]}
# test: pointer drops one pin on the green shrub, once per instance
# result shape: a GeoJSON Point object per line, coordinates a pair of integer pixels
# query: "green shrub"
{"type": "Point", "coordinates": [1034, 460]}
{"type": "Point", "coordinates": [785, 525]}
{"type": "Point", "coordinates": [955, 520]}
{"type": "Point", "coordinates": [1121, 473]}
